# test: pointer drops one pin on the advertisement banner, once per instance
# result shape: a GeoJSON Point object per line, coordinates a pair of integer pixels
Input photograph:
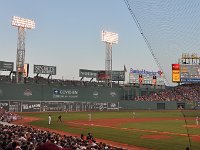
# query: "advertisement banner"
{"type": "Point", "coordinates": [65, 93]}
{"type": "Point", "coordinates": [15, 106]}
{"type": "Point", "coordinates": [6, 66]}
{"type": "Point", "coordinates": [101, 74]}
{"type": "Point", "coordinates": [100, 106]}
{"type": "Point", "coordinates": [88, 73]}
{"type": "Point", "coordinates": [118, 75]}
{"type": "Point", "coordinates": [31, 106]}
{"type": "Point", "coordinates": [26, 70]}
{"type": "Point", "coordinates": [42, 69]}
{"type": "Point", "coordinates": [4, 105]}
{"type": "Point", "coordinates": [113, 105]}
{"type": "Point", "coordinates": [176, 73]}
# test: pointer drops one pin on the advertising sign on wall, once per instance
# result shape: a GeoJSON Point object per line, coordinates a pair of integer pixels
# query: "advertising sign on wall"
{"type": "Point", "coordinates": [30, 106]}
{"type": "Point", "coordinates": [4, 105]}
{"type": "Point", "coordinates": [65, 93]}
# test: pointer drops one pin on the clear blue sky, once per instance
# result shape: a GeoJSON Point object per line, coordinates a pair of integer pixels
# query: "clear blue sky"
{"type": "Point", "coordinates": [67, 35]}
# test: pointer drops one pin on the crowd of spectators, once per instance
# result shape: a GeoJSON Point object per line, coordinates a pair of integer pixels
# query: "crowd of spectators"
{"type": "Point", "coordinates": [15, 137]}
{"type": "Point", "coordinates": [27, 138]}
{"type": "Point", "coordinates": [6, 116]}
{"type": "Point", "coordinates": [185, 92]}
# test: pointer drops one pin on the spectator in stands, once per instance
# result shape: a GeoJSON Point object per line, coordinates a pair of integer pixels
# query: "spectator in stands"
{"type": "Point", "coordinates": [6, 116]}
{"type": "Point", "coordinates": [82, 137]}
{"type": "Point", "coordinates": [49, 146]}
{"type": "Point", "coordinates": [27, 138]}
{"type": "Point", "coordinates": [185, 92]}
{"type": "Point", "coordinates": [90, 137]}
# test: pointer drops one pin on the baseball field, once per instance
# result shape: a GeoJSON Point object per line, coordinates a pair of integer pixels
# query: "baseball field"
{"type": "Point", "coordinates": [163, 130]}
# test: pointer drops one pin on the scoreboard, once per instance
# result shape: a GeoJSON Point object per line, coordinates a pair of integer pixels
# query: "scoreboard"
{"type": "Point", "coordinates": [190, 73]}
{"type": "Point", "coordinates": [186, 73]}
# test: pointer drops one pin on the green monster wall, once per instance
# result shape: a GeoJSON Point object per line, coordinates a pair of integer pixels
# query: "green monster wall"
{"type": "Point", "coordinates": [38, 97]}
{"type": "Point", "coordinates": [38, 92]}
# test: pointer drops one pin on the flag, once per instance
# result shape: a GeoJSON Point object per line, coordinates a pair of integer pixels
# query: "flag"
{"type": "Point", "coordinates": [125, 70]}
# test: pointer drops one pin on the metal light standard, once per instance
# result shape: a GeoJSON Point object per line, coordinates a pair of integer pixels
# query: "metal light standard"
{"type": "Point", "coordinates": [109, 38]}
{"type": "Point", "coordinates": [22, 25]}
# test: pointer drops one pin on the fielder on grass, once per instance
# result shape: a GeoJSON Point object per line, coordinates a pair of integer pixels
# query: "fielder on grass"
{"type": "Point", "coordinates": [59, 118]}
{"type": "Point", "coordinates": [133, 114]}
{"type": "Point", "coordinates": [90, 117]}
{"type": "Point", "coordinates": [197, 120]}
{"type": "Point", "coordinates": [49, 119]}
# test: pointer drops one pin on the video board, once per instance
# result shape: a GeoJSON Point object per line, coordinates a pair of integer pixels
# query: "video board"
{"type": "Point", "coordinates": [146, 77]}
{"type": "Point", "coordinates": [190, 72]}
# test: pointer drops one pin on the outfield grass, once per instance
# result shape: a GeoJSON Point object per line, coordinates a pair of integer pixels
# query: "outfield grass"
{"type": "Point", "coordinates": [131, 136]}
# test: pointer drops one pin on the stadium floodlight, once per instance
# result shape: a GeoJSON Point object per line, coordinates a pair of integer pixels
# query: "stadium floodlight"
{"type": "Point", "coordinates": [22, 22]}
{"type": "Point", "coordinates": [22, 25]}
{"type": "Point", "coordinates": [109, 38]}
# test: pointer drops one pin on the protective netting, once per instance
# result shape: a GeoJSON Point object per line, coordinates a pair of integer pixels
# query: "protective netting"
{"type": "Point", "coordinates": [169, 27]}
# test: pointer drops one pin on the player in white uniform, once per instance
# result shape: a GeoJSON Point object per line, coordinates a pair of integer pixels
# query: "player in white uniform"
{"type": "Point", "coordinates": [90, 117]}
{"type": "Point", "coordinates": [133, 114]}
{"type": "Point", "coordinates": [49, 118]}
{"type": "Point", "coordinates": [197, 120]}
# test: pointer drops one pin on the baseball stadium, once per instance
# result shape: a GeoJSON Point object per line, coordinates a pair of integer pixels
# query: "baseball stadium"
{"type": "Point", "coordinates": [106, 109]}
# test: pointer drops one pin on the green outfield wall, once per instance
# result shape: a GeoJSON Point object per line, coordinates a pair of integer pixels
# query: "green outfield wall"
{"type": "Point", "coordinates": [44, 97]}
{"type": "Point", "coordinates": [38, 92]}
{"type": "Point", "coordinates": [156, 105]}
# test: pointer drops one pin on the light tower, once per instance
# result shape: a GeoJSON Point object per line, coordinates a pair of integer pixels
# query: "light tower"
{"type": "Point", "coordinates": [109, 38]}
{"type": "Point", "coordinates": [22, 25]}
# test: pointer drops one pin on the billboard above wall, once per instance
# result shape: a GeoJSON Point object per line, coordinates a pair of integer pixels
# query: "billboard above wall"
{"type": "Point", "coordinates": [88, 73]}
{"type": "Point", "coordinates": [6, 66]}
{"type": "Point", "coordinates": [42, 69]}
{"type": "Point", "coordinates": [100, 74]}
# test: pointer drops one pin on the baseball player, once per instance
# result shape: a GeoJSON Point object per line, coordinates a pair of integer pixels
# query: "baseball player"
{"type": "Point", "coordinates": [133, 114]}
{"type": "Point", "coordinates": [197, 120]}
{"type": "Point", "coordinates": [90, 117]}
{"type": "Point", "coordinates": [59, 118]}
{"type": "Point", "coordinates": [49, 118]}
